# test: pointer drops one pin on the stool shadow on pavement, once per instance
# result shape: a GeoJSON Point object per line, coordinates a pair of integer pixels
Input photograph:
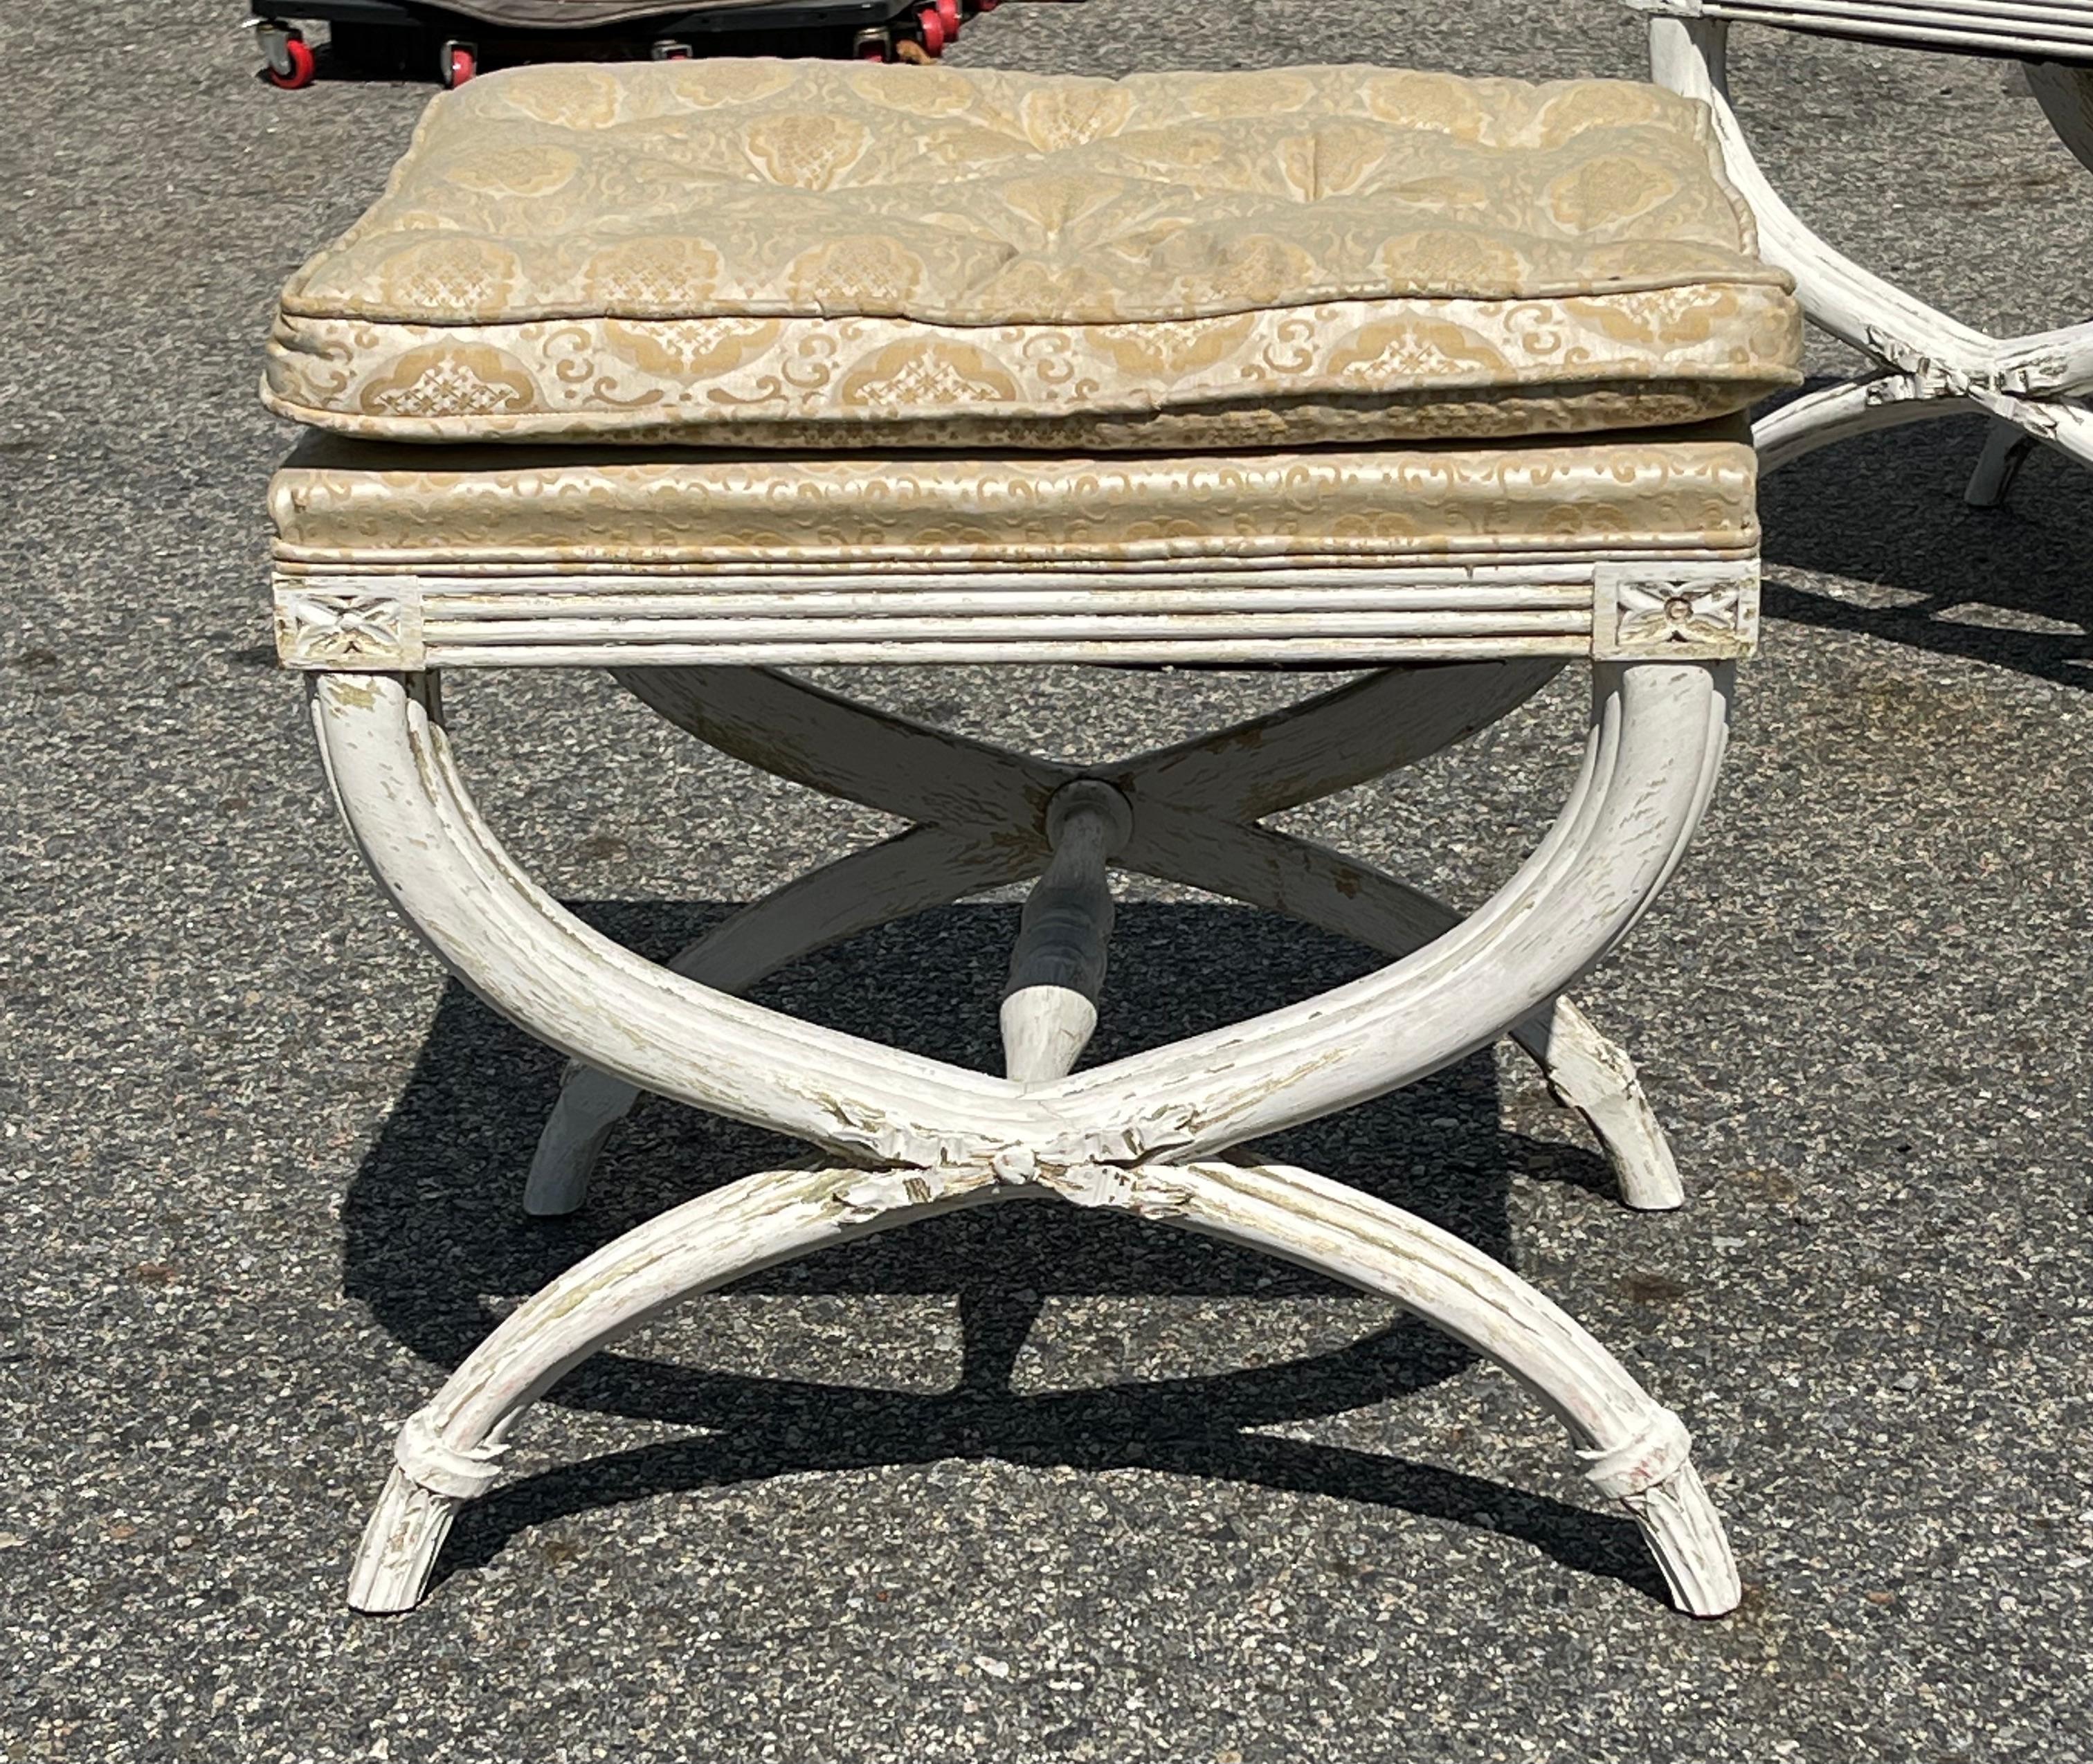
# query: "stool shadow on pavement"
{"type": "Point", "coordinates": [434, 1221]}
{"type": "Point", "coordinates": [2004, 586]}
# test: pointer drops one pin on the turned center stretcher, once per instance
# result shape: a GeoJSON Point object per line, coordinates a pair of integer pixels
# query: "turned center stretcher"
{"type": "Point", "coordinates": [697, 372]}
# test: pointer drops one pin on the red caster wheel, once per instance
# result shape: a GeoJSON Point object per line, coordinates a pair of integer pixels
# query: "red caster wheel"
{"type": "Point", "coordinates": [932, 27]}
{"type": "Point", "coordinates": [291, 65]}
{"type": "Point", "coordinates": [871, 45]}
{"type": "Point", "coordinates": [986, 6]}
{"type": "Point", "coordinates": [460, 62]}
{"type": "Point", "coordinates": [669, 50]}
{"type": "Point", "coordinates": [948, 13]}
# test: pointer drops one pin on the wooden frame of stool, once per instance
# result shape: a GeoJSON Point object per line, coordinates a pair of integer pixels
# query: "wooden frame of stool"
{"type": "Point", "coordinates": [897, 1137]}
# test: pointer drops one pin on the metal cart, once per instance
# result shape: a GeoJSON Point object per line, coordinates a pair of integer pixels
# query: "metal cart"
{"type": "Point", "coordinates": [458, 38]}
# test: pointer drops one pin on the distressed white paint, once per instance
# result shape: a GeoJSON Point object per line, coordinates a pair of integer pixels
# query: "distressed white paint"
{"type": "Point", "coordinates": [1210, 610]}
{"type": "Point", "coordinates": [1929, 364]}
{"type": "Point", "coordinates": [1633, 1451]}
{"type": "Point", "coordinates": [914, 1135]}
{"type": "Point", "coordinates": [925, 867]}
{"type": "Point", "coordinates": [1585, 1071]}
{"type": "Point", "coordinates": [2049, 29]}
{"type": "Point", "coordinates": [1702, 614]}
{"type": "Point", "coordinates": [983, 808]}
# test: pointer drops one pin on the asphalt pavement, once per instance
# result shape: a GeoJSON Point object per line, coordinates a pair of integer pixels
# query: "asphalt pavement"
{"type": "Point", "coordinates": [1035, 1485]}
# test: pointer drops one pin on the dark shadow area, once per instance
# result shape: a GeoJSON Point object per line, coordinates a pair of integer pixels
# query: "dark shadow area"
{"type": "Point", "coordinates": [434, 1222]}
{"type": "Point", "coordinates": [1886, 510]}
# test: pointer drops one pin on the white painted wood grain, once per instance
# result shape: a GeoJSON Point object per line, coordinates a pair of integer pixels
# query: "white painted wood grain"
{"type": "Point", "coordinates": [382, 619]}
{"type": "Point", "coordinates": [914, 1135]}
{"type": "Point", "coordinates": [1634, 1450]}
{"type": "Point", "coordinates": [1928, 363]}
{"type": "Point", "coordinates": [1191, 798]}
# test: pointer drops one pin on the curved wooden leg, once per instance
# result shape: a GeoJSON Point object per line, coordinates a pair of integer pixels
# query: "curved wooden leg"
{"type": "Point", "coordinates": [795, 730]}
{"type": "Point", "coordinates": [1634, 1450]}
{"type": "Point", "coordinates": [589, 1105]}
{"type": "Point", "coordinates": [2007, 446]}
{"type": "Point", "coordinates": [919, 1136]}
{"type": "Point", "coordinates": [1297, 753]}
{"type": "Point", "coordinates": [923, 868]}
{"type": "Point", "coordinates": [1657, 739]}
{"type": "Point", "coordinates": [1838, 412]}
{"type": "Point", "coordinates": [1593, 1075]}
{"type": "Point", "coordinates": [450, 1452]}
{"type": "Point", "coordinates": [390, 761]}
{"type": "Point", "coordinates": [1393, 718]}
{"type": "Point", "coordinates": [1197, 798]}
{"type": "Point", "coordinates": [1321, 745]}
{"type": "Point", "coordinates": [1585, 1071]}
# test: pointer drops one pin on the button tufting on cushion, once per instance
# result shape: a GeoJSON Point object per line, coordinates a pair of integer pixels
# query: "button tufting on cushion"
{"type": "Point", "coordinates": [775, 254]}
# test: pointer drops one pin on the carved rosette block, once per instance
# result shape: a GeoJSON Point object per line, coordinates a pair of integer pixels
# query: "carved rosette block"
{"type": "Point", "coordinates": [347, 628]}
{"type": "Point", "coordinates": [1674, 612]}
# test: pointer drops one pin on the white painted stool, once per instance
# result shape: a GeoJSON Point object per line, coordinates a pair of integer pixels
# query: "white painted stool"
{"type": "Point", "coordinates": [1436, 379]}
{"type": "Point", "coordinates": [1926, 363]}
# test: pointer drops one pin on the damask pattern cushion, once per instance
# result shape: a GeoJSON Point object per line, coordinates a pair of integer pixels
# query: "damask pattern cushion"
{"type": "Point", "coordinates": [809, 254]}
{"type": "Point", "coordinates": [343, 506]}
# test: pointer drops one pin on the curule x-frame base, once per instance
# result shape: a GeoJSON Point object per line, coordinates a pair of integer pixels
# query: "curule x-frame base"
{"type": "Point", "coordinates": [900, 1136]}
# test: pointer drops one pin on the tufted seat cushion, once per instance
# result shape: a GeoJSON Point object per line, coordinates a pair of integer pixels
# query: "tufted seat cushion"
{"type": "Point", "coordinates": [808, 254]}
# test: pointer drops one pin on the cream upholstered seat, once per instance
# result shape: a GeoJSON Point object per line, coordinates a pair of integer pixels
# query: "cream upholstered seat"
{"type": "Point", "coordinates": [1685, 493]}
{"type": "Point", "coordinates": [807, 254]}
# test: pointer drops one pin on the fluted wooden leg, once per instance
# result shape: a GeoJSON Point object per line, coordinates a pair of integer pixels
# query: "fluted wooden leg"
{"type": "Point", "coordinates": [1196, 807]}
{"type": "Point", "coordinates": [450, 1452]}
{"type": "Point", "coordinates": [1632, 1449]}
{"type": "Point", "coordinates": [923, 868]}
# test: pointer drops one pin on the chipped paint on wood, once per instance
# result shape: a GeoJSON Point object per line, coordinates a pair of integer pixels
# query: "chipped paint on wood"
{"type": "Point", "coordinates": [1635, 1450]}
{"type": "Point", "coordinates": [1677, 612]}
